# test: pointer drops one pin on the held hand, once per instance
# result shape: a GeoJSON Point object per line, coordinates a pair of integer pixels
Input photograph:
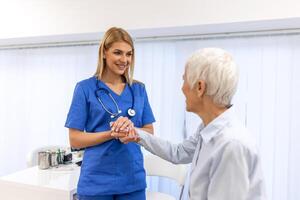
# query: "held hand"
{"type": "Point", "coordinates": [118, 135]}
{"type": "Point", "coordinates": [131, 137]}
{"type": "Point", "coordinates": [123, 129]}
{"type": "Point", "coordinates": [122, 124]}
{"type": "Point", "coordinates": [126, 137]}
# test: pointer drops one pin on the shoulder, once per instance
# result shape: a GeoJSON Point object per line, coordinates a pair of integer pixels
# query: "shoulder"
{"type": "Point", "coordinates": [86, 85]}
{"type": "Point", "coordinates": [241, 149]}
{"type": "Point", "coordinates": [87, 82]}
{"type": "Point", "coordinates": [136, 82]}
{"type": "Point", "coordinates": [238, 138]}
{"type": "Point", "coordinates": [137, 85]}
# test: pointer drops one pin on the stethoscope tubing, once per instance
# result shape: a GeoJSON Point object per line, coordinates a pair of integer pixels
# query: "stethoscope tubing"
{"type": "Point", "coordinates": [130, 112]}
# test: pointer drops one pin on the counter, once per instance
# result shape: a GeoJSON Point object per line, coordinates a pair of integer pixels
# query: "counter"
{"type": "Point", "coordinates": [35, 184]}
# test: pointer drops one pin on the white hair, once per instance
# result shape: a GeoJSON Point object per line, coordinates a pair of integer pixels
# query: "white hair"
{"type": "Point", "coordinates": [216, 67]}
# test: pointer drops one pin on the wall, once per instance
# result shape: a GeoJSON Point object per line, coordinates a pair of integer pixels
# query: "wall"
{"type": "Point", "coordinates": [33, 18]}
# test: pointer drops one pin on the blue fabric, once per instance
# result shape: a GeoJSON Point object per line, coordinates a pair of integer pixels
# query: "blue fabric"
{"type": "Point", "coordinates": [138, 195]}
{"type": "Point", "coordinates": [111, 167]}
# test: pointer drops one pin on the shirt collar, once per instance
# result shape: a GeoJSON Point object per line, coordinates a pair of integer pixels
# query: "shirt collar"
{"type": "Point", "coordinates": [214, 127]}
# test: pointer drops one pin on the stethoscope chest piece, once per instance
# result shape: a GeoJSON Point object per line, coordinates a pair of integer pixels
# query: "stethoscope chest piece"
{"type": "Point", "coordinates": [131, 112]}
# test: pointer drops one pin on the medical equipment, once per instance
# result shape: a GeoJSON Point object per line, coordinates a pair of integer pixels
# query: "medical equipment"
{"type": "Point", "coordinates": [130, 111]}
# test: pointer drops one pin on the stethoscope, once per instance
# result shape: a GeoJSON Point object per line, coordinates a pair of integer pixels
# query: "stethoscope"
{"type": "Point", "coordinates": [130, 111]}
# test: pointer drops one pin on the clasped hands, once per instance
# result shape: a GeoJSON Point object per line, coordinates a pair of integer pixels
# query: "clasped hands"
{"type": "Point", "coordinates": [123, 129]}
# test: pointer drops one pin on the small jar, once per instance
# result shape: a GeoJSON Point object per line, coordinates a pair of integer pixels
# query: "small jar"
{"type": "Point", "coordinates": [44, 159]}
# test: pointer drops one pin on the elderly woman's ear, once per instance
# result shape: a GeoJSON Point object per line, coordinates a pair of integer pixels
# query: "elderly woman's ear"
{"type": "Point", "coordinates": [201, 86]}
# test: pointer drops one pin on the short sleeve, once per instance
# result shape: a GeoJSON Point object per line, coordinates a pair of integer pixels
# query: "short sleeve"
{"type": "Point", "coordinates": [78, 112]}
{"type": "Point", "coordinates": [147, 117]}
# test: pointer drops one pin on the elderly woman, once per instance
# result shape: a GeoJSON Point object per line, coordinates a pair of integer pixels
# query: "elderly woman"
{"type": "Point", "coordinates": [225, 160]}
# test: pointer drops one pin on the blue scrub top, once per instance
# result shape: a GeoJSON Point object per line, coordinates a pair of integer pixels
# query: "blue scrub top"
{"type": "Point", "coordinates": [110, 167]}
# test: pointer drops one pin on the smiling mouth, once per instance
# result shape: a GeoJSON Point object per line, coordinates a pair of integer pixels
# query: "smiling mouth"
{"type": "Point", "coordinates": [122, 67]}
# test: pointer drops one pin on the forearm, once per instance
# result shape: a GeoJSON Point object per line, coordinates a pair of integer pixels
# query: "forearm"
{"type": "Point", "coordinates": [175, 153]}
{"type": "Point", "coordinates": [148, 129]}
{"type": "Point", "coordinates": [80, 139]}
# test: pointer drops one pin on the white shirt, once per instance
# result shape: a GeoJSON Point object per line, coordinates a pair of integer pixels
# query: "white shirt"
{"type": "Point", "coordinates": [225, 160]}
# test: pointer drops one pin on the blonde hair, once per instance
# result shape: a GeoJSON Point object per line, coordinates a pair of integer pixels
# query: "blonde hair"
{"type": "Point", "coordinates": [111, 36]}
{"type": "Point", "coordinates": [217, 68]}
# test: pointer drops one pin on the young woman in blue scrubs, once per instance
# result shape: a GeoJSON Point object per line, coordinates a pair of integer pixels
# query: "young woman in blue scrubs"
{"type": "Point", "coordinates": [110, 170]}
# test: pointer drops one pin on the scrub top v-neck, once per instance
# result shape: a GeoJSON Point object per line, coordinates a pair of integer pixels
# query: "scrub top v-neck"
{"type": "Point", "coordinates": [104, 85]}
{"type": "Point", "coordinates": [107, 98]}
{"type": "Point", "coordinates": [110, 167]}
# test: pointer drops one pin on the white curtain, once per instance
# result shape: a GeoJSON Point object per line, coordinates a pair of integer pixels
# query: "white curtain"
{"type": "Point", "coordinates": [157, 66]}
{"type": "Point", "coordinates": [268, 101]}
{"type": "Point", "coordinates": [36, 87]}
